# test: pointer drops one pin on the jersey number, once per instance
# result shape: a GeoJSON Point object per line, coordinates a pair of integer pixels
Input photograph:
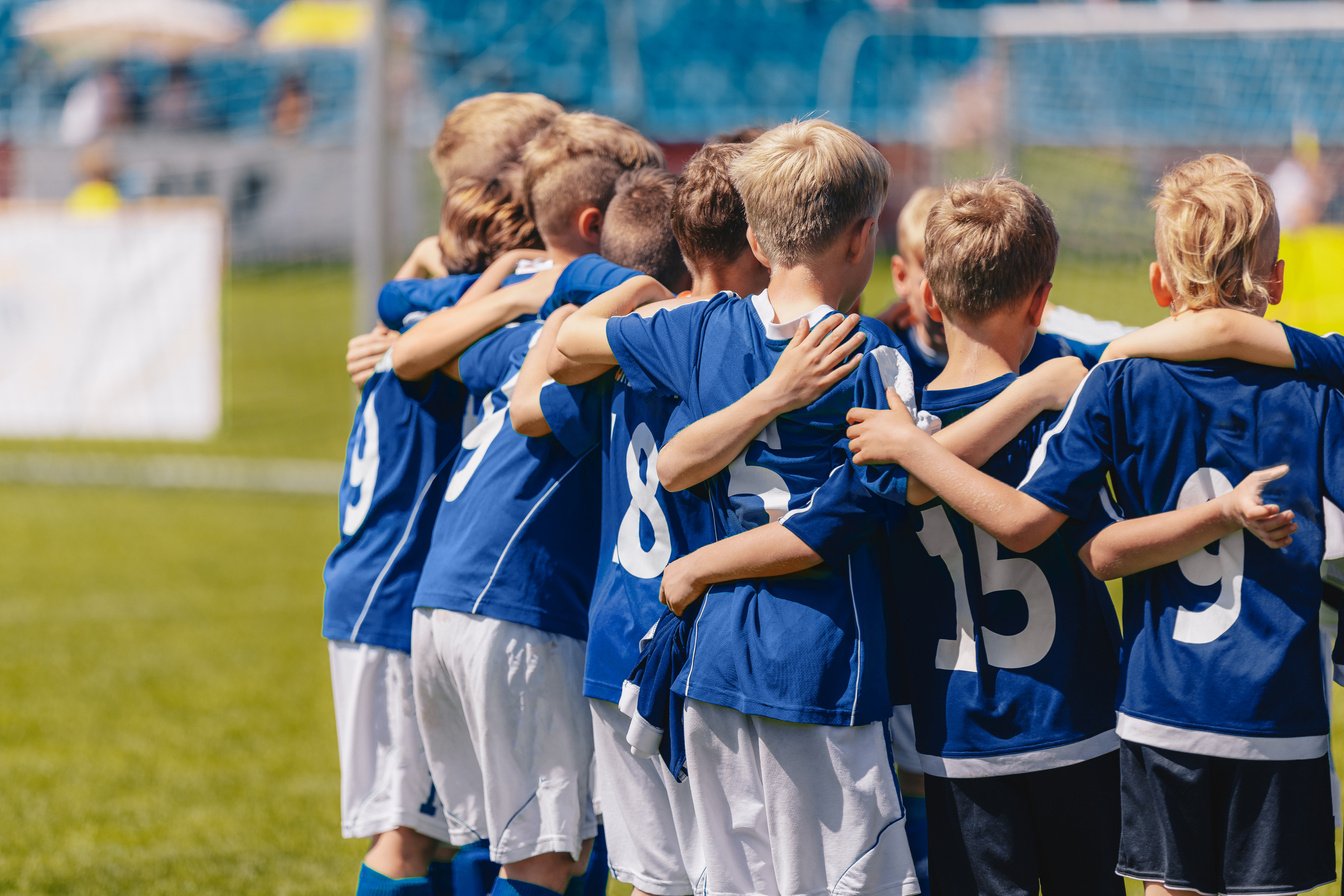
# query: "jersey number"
{"type": "Point", "coordinates": [1224, 568]}
{"type": "Point", "coordinates": [1026, 648]}
{"type": "Point", "coordinates": [363, 470]}
{"type": "Point", "coordinates": [630, 552]}
{"type": "Point", "coordinates": [761, 483]}
{"type": "Point", "coordinates": [479, 439]}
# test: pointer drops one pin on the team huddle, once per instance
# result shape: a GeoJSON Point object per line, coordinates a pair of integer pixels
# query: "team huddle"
{"type": "Point", "coordinates": [643, 531]}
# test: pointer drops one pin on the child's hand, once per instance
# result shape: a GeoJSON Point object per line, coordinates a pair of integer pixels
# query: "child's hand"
{"type": "Point", "coordinates": [1056, 380]}
{"type": "Point", "coordinates": [680, 588]}
{"type": "Point", "coordinates": [1245, 507]}
{"type": "Point", "coordinates": [813, 362]}
{"type": "Point", "coordinates": [875, 437]}
{"type": "Point", "coordinates": [898, 315]}
{"type": "Point", "coordinates": [363, 352]}
{"type": "Point", "coordinates": [425, 260]}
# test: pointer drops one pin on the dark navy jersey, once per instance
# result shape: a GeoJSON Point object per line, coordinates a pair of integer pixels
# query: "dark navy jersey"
{"type": "Point", "coordinates": [1013, 658]}
{"type": "Point", "coordinates": [516, 534]}
{"type": "Point", "coordinates": [1221, 652]}
{"type": "Point", "coordinates": [804, 648]}
{"type": "Point", "coordinates": [927, 363]}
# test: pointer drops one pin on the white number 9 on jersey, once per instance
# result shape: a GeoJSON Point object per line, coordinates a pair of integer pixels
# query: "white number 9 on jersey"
{"type": "Point", "coordinates": [363, 469]}
{"type": "Point", "coordinates": [1223, 569]}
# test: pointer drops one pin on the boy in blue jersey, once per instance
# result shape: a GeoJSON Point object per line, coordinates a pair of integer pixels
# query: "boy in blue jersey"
{"type": "Point", "coordinates": [500, 623]}
{"type": "Point", "coordinates": [782, 681]}
{"type": "Point", "coordinates": [1224, 778]}
{"type": "Point", "coordinates": [405, 430]}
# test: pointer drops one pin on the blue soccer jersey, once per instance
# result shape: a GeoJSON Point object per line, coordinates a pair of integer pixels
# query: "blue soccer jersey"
{"type": "Point", "coordinates": [516, 534]}
{"type": "Point", "coordinates": [584, 279]}
{"type": "Point", "coordinates": [1013, 658]}
{"type": "Point", "coordinates": [1221, 652]}
{"type": "Point", "coordinates": [801, 648]}
{"type": "Point", "coordinates": [1319, 357]}
{"type": "Point", "coordinates": [926, 363]}
{"type": "Point", "coordinates": [403, 436]}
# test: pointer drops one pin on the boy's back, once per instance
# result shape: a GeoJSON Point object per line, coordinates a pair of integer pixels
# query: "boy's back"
{"type": "Point", "coordinates": [1008, 653]}
{"type": "Point", "coordinates": [1221, 651]}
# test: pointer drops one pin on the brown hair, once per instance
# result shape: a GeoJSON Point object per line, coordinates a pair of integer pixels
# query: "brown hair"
{"type": "Point", "coordinates": [482, 133]}
{"type": "Point", "coordinates": [741, 135]}
{"type": "Point", "coordinates": [637, 232]}
{"type": "Point", "coordinates": [482, 218]}
{"type": "Point", "coordinates": [574, 164]}
{"type": "Point", "coordinates": [708, 218]}
{"type": "Point", "coordinates": [803, 183]}
{"type": "Point", "coordinates": [1216, 235]}
{"type": "Point", "coordinates": [988, 243]}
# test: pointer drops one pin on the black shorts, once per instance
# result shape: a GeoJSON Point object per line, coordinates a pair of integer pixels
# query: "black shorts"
{"type": "Point", "coordinates": [1055, 832]}
{"type": "Point", "coordinates": [1218, 825]}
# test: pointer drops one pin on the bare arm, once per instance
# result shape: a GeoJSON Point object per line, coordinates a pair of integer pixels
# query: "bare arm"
{"type": "Point", "coordinates": [1016, 520]}
{"type": "Point", "coordinates": [760, 553]}
{"type": "Point", "coordinates": [425, 260]}
{"type": "Point", "coordinates": [1206, 335]}
{"type": "Point", "coordinates": [1131, 546]}
{"type": "Point", "coordinates": [525, 403]}
{"type": "Point", "coordinates": [436, 342]}
{"type": "Point", "coordinates": [493, 277]}
{"type": "Point", "coordinates": [583, 339]}
{"type": "Point", "coordinates": [978, 436]}
{"type": "Point", "coordinates": [813, 362]}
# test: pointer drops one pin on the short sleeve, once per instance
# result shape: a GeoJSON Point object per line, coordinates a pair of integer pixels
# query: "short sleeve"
{"type": "Point", "coordinates": [1332, 472]}
{"type": "Point", "coordinates": [886, 368]}
{"type": "Point", "coordinates": [1318, 357]}
{"type": "Point", "coordinates": [1102, 514]}
{"type": "Point", "coordinates": [659, 353]}
{"type": "Point", "coordinates": [403, 302]}
{"type": "Point", "coordinates": [575, 413]}
{"type": "Point", "coordinates": [1069, 467]}
{"type": "Point", "coordinates": [491, 359]}
{"type": "Point", "coordinates": [842, 512]}
{"type": "Point", "coordinates": [583, 280]}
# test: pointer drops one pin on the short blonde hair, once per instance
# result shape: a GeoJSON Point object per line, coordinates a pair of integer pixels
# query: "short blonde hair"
{"type": "Point", "coordinates": [911, 221]}
{"type": "Point", "coordinates": [1217, 234]}
{"type": "Point", "coordinates": [988, 243]}
{"type": "Point", "coordinates": [803, 183]}
{"type": "Point", "coordinates": [482, 218]}
{"type": "Point", "coordinates": [574, 163]}
{"type": "Point", "coordinates": [484, 132]}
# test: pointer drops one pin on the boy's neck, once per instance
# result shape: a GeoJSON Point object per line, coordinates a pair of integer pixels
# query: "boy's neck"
{"type": "Point", "coordinates": [562, 251]}
{"type": "Point", "coordinates": [794, 291]}
{"type": "Point", "coordinates": [979, 351]}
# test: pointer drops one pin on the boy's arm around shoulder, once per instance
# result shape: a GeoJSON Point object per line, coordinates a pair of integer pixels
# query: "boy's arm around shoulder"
{"type": "Point", "coordinates": [1206, 336]}
{"type": "Point", "coordinates": [583, 340]}
{"type": "Point", "coordinates": [1133, 545]}
{"type": "Point", "coordinates": [525, 410]}
{"type": "Point", "coordinates": [764, 552]}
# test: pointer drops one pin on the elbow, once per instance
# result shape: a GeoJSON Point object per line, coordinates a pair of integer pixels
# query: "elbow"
{"type": "Point", "coordinates": [1102, 564]}
{"type": "Point", "coordinates": [528, 420]}
{"type": "Point", "coordinates": [408, 368]}
{"type": "Point", "coordinates": [1023, 540]}
{"type": "Point", "coordinates": [672, 476]}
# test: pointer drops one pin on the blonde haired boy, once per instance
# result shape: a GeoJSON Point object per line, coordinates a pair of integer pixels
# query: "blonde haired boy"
{"type": "Point", "coordinates": [1223, 724]}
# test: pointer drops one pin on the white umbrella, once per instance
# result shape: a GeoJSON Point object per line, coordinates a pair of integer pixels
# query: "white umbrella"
{"type": "Point", "coordinates": [104, 29]}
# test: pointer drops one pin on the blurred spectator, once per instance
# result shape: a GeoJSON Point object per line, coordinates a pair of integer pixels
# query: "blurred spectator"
{"type": "Point", "coordinates": [178, 106]}
{"type": "Point", "coordinates": [292, 108]}
{"type": "Point", "coordinates": [100, 102]}
{"type": "Point", "coordinates": [97, 192]}
{"type": "Point", "coordinates": [1302, 187]}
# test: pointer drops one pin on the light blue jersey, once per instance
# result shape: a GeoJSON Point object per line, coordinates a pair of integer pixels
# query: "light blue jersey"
{"type": "Point", "coordinates": [804, 648]}
{"type": "Point", "coordinates": [1221, 652]}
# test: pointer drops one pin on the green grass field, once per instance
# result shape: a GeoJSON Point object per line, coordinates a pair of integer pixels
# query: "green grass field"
{"type": "Point", "coordinates": [166, 726]}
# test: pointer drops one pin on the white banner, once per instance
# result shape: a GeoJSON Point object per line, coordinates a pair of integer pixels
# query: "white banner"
{"type": "Point", "coordinates": [109, 325]}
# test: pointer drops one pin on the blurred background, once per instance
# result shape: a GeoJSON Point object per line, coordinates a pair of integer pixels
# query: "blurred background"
{"type": "Point", "coordinates": [199, 199]}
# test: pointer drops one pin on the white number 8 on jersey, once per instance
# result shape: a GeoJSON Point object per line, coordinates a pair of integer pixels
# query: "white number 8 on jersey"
{"type": "Point", "coordinates": [630, 552]}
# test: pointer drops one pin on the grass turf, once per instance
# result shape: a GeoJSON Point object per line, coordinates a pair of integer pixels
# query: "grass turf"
{"type": "Point", "coordinates": [167, 726]}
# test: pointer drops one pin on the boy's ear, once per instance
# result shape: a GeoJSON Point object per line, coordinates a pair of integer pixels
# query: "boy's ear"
{"type": "Point", "coordinates": [590, 225]}
{"type": "Point", "coordinates": [1158, 284]}
{"type": "Point", "coordinates": [860, 237]}
{"type": "Point", "coordinates": [1275, 284]}
{"type": "Point", "coordinates": [899, 272]}
{"type": "Point", "coordinates": [756, 248]}
{"type": "Point", "coordinates": [930, 301]}
{"type": "Point", "coordinates": [1036, 307]}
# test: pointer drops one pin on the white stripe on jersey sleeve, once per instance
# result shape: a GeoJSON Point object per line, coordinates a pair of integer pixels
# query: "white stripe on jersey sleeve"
{"type": "Point", "coordinates": [1038, 456]}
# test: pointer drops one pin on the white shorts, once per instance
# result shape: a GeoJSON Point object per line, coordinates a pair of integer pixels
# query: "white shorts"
{"type": "Point", "coordinates": [507, 732]}
{"type": "Point", "coordinates": [385, 781]}
{"type": "Point", "coordinates": [795, 810]}
{"type": "Point", "coordinates": [901, 729]}
{"type": "Point", "coordinates": [652, 841]}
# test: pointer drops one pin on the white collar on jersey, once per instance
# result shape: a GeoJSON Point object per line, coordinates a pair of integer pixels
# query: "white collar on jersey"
{"type": "Point", "coordinates": [766, 312]}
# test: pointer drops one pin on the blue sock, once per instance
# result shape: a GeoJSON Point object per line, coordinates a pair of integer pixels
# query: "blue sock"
{"type": "Point", "coordinates": [473, 872]}
{"type": "Point", "coordinates": [371, 883]}
{"type": "Point", "coordinates": [594, 880]}
{"type": "Point", "coordinates": [505, 887]}
{"type": "Point", "coordinates": [917, 831]}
